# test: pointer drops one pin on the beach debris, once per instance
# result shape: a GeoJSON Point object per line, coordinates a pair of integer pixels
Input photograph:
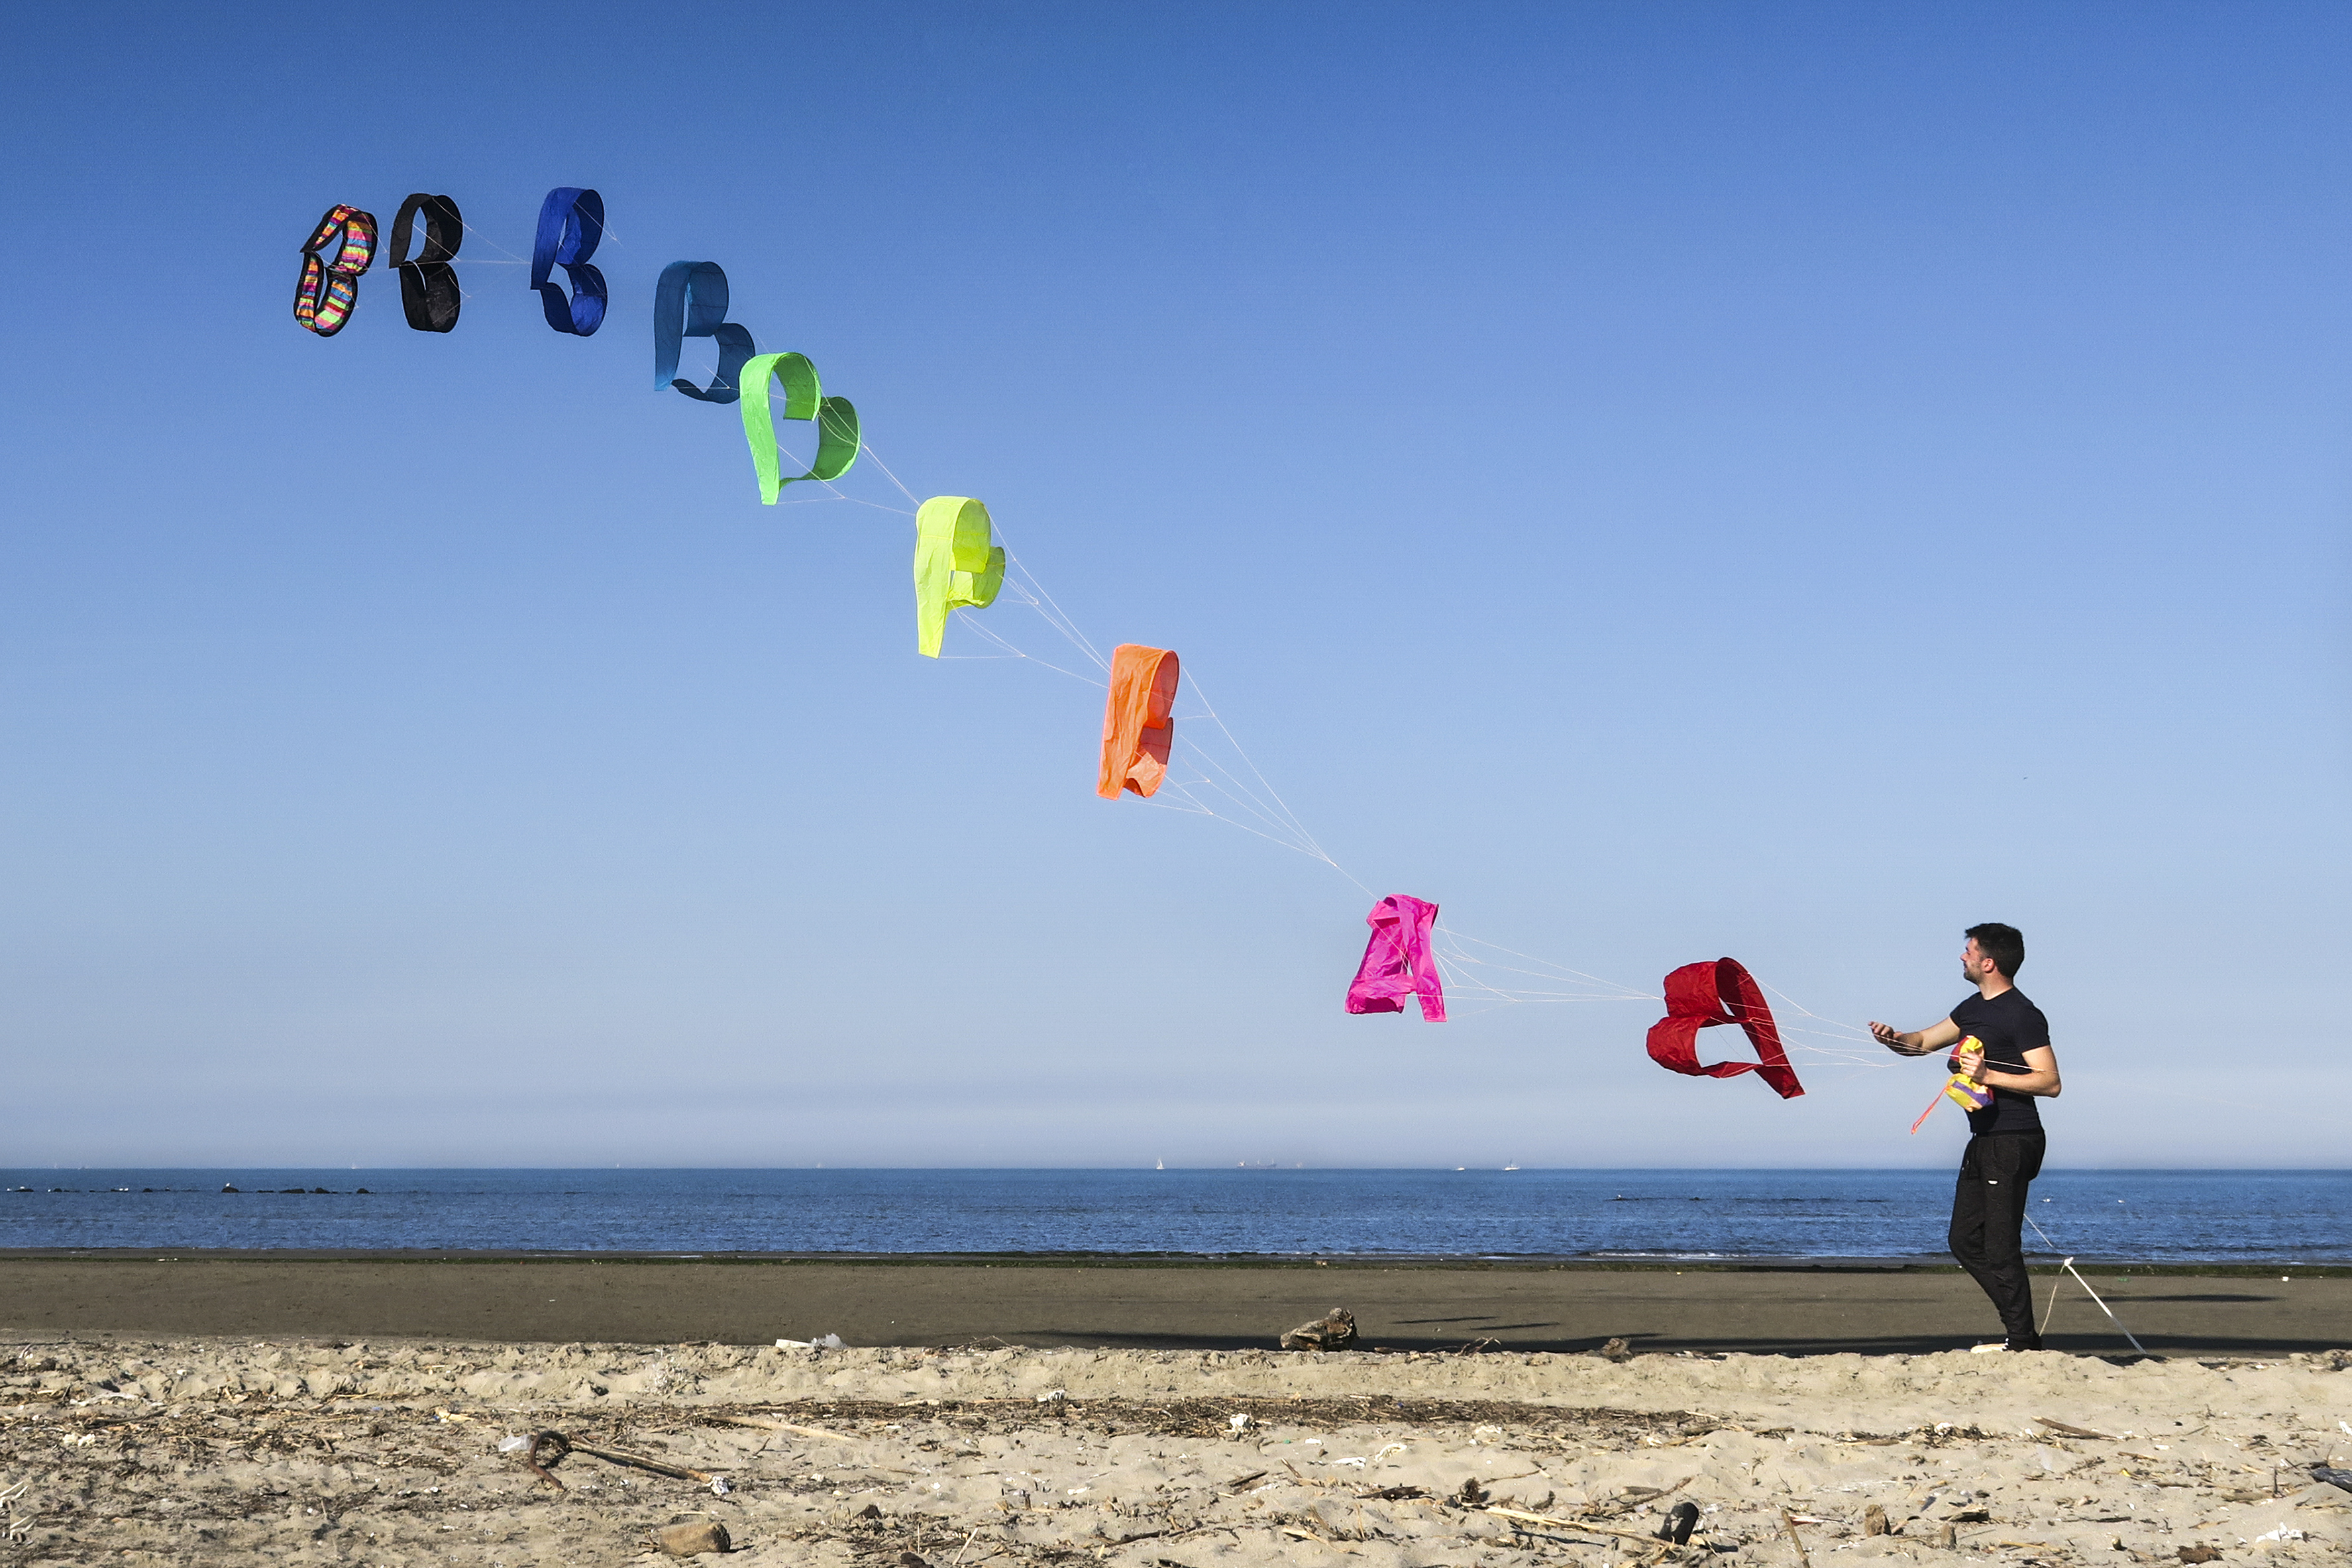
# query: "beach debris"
{"type": "Point", "coordinates": [1682, 1517]}
{"type": "Point", "coordinates": [690, 1540]}
{"type": "Point", "coordinates": [911, 1560]}
{"type": "Point", "coordinates": [557, 1445]}
{"type": "Point", "coordinates": [2064, 1430]}
{"type": "Point", "coordinates": [822, 1342]}
{"type": "Point", "coordinates": [1948, 1536]}
{"type": "Point", "coordinates": [1241, 1422]}
{"type": "Point", "coordinates": [1615, 1350]}
{"type": "Point", "coordinates": [1472, 1494]}
{"type": "Point", "coordinates": [1238, 1482]}
{"type": "Point", "coordinates": [2332, 1476]}
{"type": "Point", "coordinates": [1789, 1525]}
{"type": "Point", "coordinates": [767, 1425]}
{"type": "Point", "coordinates": [1335, 1330]}
{"type": "Point", "coordinates": [557, 1448]}
{"type": "Point", "coordinates": [1874, 1520]}
{"type": "Point", "coordinates": [1581, 1526]}
{"type": "Point", "coordinates": [508, 1445]}
{"type": "Point", "coordinates": [2201, 1555]}
{"type": "Point", "coordinates": [1054, 1396]}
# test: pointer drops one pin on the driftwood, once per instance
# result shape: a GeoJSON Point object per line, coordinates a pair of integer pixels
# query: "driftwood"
{"type": "Point", "coordinates": [1335, 1330]}
{"type": "Point", "coordinates": [767, 1425]}
{"type": "Point", "coordinates": [1790, 1526]}
{"type": "Point", "coordinates": [2064, 1430]}
{"type": "Point", "coordinates": [1582, 1526]}
{"type": "Point", "coordinates": [557, 1445]}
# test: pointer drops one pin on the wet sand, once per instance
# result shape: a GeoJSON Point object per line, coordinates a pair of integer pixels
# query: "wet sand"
{"type": "Point", "coordinates": [1164, 1306]}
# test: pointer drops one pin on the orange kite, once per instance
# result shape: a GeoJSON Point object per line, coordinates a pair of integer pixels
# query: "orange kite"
{"type": "Point", "coordinates": [1137, 729]}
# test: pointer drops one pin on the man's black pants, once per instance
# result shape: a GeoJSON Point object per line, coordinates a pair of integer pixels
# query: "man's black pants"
{"type": "Point", "coordinates": [1988, 1216]}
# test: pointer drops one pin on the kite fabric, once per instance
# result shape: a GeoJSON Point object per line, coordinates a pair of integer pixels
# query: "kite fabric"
{"type": "Point", "coordinates": [1397, 961]}
{"type": "Point", "coordinates": [836, 422]}
{"type": "Point", "coordinates": [1137, 729]}
{"type": "Point", "coordinates": [1700, 996]}
{"type": "Point", "coordinates": [959, 565]}
{"type": "Point", "coordinates": [690, 301]}
{"type": "Point", "coordinates": [330, 289]}
{"type": "Point", "coordinates": [429, 295]}
{"type": "Point", "coordinates": [1961, 1089]}
{"type": "Point", "coordinates": [571, 226]}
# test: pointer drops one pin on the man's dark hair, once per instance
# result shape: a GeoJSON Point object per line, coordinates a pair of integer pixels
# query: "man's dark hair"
{"type": "Point", "coordinates": [2004, 944]}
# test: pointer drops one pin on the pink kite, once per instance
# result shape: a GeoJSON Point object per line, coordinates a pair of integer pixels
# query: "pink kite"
{"type": "Point", "coordinates": [1700, 996]}
{"type": "Point", "coordinates": [1397, 961]}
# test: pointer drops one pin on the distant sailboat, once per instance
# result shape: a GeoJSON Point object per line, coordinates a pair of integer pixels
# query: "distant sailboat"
{"type": "Point", "coordinates": [1512, 1167]}
{"type": "Point", "coordinates": [1160, 1165]}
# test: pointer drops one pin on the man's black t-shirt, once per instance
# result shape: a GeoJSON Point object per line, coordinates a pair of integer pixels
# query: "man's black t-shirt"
{"type": "Point", "coordinates": [2008, 1025]}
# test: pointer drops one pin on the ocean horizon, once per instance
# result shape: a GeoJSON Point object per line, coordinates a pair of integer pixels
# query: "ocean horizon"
{"type": "Point", "coordinates": [1667, 1215]}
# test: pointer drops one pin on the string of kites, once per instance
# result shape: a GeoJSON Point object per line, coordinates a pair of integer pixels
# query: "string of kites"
{"type": "Point", "coordinates": [957, 563]}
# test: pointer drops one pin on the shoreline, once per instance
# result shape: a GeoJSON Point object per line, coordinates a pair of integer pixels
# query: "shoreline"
{"type": "Point", "coordinates": [1157, 1304]}
{"type": "Point", "coordinates": [2039, 1264]}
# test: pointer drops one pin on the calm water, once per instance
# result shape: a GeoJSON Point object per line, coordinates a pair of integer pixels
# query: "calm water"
{"type": "Point", "coordinates": [2153, 1216]}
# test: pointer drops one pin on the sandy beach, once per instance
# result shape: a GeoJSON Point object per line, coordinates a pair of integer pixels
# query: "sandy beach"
{"type": "Point", "coordinates": [317, 1452]}
{"type": "Point", "coordinates": [358, 1412]}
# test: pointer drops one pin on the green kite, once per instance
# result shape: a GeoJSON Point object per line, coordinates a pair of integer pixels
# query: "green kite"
{"type": "Point", "coordinates": [958, 565]}
{"type": "Point", "coordinates": [836, 421]}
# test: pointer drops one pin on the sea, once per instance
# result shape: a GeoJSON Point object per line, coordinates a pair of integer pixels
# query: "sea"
{"type": "Point", "coordinates": [1721, 1215]}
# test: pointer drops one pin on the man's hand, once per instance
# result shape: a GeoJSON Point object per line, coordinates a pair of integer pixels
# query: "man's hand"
{"type": "Point", "coordinates": [1935, 1036]}
{"type": "Point", "coordinates": [1969, 1064]}
{"type": "Point", "coordinates": [1901, 1044]}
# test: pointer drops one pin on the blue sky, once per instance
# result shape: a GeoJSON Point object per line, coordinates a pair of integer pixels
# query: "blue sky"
{"type": "Point", "coordinates": [1662, 481]}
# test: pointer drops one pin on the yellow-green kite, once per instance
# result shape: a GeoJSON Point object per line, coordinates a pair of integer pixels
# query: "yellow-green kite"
{"type": "Point", "coordinates": [959, 565]}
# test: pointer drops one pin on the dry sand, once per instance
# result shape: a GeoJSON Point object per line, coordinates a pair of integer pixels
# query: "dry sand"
{"type": "Point", "coordinates": [235, 1451]}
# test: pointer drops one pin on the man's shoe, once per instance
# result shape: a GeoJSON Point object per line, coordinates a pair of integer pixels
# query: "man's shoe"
{"type": "Point", "coordinates": [2023, 1341]}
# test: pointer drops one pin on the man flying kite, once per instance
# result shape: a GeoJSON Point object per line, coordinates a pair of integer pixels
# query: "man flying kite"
{"type": "Point", "coordinates": [2002, 1065]}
